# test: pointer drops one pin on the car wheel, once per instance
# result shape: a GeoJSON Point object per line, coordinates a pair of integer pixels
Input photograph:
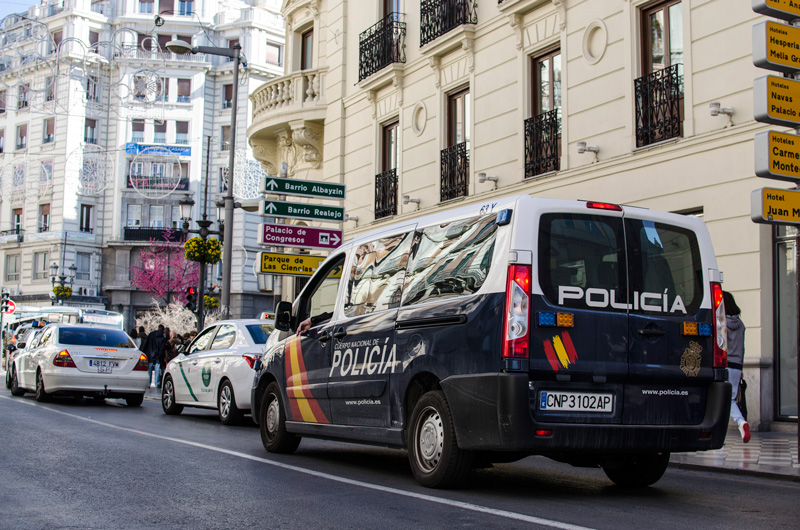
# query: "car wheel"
{"type": "Point", "coordinates": [229, 413]}
{"type": "Point", "coordinates": [636, 470]}
{"type": "Point", "coordinates": [134, 400]}
{"type": "Point", "coordinates": [436, 459]}
{"type": "Point", "coordinates": [41, 393]}
{"type": "Point", "coordinates": [272, 423]}
{"type": "Point", "coordinates": [16, 390]}
{"type": "Point", "coordinates": [168, 398]}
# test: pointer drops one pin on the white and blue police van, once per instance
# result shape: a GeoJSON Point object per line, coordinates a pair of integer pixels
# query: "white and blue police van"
{"type": "Point", "coordinates": [587, 332]}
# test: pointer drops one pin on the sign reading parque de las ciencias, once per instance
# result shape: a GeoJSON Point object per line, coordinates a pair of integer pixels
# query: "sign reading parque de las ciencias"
{"type": "Point", "coordinates": [299, 236]}
{"type": "Point", "coordinates": [302, 188]}
{"type": "Point", "coordinates": [776, 100]}
{"type": "Point", "coordinates": [776, 47]}
{"type": "Point", "coordinates": [773, 205]}
{"type": "Point", "coordinates": [782, 9]}
{"type": "Point", "coordinates": [777, 156]}
{"type": "Point", "coordinates": [289, 264]}
{"type": "Point", "coordinates": [292, 210]}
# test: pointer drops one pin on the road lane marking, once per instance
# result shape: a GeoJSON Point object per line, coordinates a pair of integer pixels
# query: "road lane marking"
{"type": "Point", "coordinates": [318, 474]}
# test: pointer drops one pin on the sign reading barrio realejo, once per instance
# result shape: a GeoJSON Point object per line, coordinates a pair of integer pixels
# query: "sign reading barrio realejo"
{"type": "Point", "coordinates": [776, 46]}
{"type": "Point", "coordinates": [777, 156]}
{"type": "Point", "coordinates": [776, 100]}
{"type": "Point", "coordinates": [292, 210]}
{"type": "Point", "coordinates": [772, 205]}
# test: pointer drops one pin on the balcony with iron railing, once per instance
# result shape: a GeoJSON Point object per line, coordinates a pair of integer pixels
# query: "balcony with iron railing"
{"type": "Point", "coordinates": [381, 45]}
{"type": "Point", "coordinates": [296, 96]}
{"type": "Point", "coordinates": [15, 235]}
{"type": "Point", "coordinates": [386, 194]}
{"type": "Point", "coordinates": [136, 233]}
{"type": "Point", "coordinates": [454, 172]}
{"type": "Point", "coordinates": [543, 143]}
{"type": "Point", "coordinates": [438, 17]}
{"type": "Point", "coordinates": [659, 105]}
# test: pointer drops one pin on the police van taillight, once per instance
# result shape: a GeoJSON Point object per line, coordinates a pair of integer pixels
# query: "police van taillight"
{"type": "Point", "coordinates": [516, 324]}
{"type": "Point", "coordinates": [720, 327]}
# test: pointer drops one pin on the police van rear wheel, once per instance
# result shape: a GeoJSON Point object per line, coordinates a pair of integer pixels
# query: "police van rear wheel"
{"type": "Point", "coordinates": [272, 423]}
{"type": "Point", "coordinates": [636, 470]}
{"type": "Point", "coordinates": [436, 459]}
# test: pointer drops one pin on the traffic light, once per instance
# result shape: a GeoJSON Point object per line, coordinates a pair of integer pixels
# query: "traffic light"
{"type": "Point", "coordinates": [5, 301]}
{"type": "Point", "coordinates": [191, 299]}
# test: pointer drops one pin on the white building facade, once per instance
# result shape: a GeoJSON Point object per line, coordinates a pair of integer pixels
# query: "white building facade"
{"type": "Point", "coordinates": [422, 105]}
{"type": "Point", "coordinates": [105, 131]}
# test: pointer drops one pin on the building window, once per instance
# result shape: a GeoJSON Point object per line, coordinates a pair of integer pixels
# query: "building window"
{"type": "Point", "coordinates": [162, 42]}
{"type": "Point", "coordinates": [231, 45]}
{"type": "Point", "coordinates": [50, 89]}
{"type": "Point", "coordinates": [274, 54]}
{"type": "Point", "coordinates": [182, 132]}
{"type": "Point", "coordinates": [160, 132]}
{"type": "Point", "coordinates": [658, 93]}
{"type": "Point", "coordinates": [57, 36]}
{"type": "Point", "coordinates": [44, 217]}
{"type": "Point", "coordinates": [137, 132]}
{"type": "Point", "coordinates": [144, 42]}
{"type": "Point", "coordinates": [16, 220]}
{"type": "Point", "coordinates": [41, 265]}
{"type": "Point", "coordinates": [184, 90]}
{"type": "Point", "coordinates": [455, 158]}
{"type": "Point", "coordinates": [185, 8]}
{"type": "Point", "coordinates": [2, 101]}
{"type": "Point", "coordinates": [91, 89]}
{"type": "Point", "coordinates": [49, 129]}
{"type": "Point", "coordinates": [162, 88]}
{"type": "Point", "coordinates": [90, 134]}
{"type": "Point", "coordinates": [146, 6]}
{"type": "Point", "coordinates": [83, 262]}
{"type": "Point", "coordinates": [94, 38]}
{"type": "Point", "coordinates": [22, 136]}
{"type": "Point", "coordinates": [227, 96]}
{"type": "Point", "coordinates": [438, 17]}
{"type": "Point", "coordinates": [307, 50]}
{"type": "Point", "coordinates": [86, 218]}
{"type": "Point", "coordinates": [2, 140]}
{"type": "Point", "coordinates": [176, 217]}
{"type": "Point", "coordinates": [225, 138]}
{"type": "Point", "coordinates": [12, 268]}
{"type": "Point", "coordinates": [543, 130]}
{"type": "Point", "coordinates": [156, 216]}
{"type": "Point", "coordinates": [23, 96]}
{"type": "Point", "coordinates": [134, 215]}
{"type": "Point", "coordinates": [386, 181]}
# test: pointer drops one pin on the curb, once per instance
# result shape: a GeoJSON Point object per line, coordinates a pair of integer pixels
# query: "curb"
{"type": "Point", "coordinates": [773, 473]}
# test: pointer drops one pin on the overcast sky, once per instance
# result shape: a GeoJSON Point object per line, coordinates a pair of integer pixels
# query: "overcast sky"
{"type": "Point", "coordinates": [15, 6]}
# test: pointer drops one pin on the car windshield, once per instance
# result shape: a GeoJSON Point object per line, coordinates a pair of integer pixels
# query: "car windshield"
{"type": "Point", "coordinates": [260, 332]}
{"type": "Point", "coordinates": [110, 338]}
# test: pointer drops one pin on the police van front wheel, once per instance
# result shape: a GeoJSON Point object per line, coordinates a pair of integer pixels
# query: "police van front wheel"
{"type": "Point", "coordinates": [272, 423]}
{"type": "Point", "coordinates": [636, 470]}
{"type": "Point", "coordinates": [436, 459]}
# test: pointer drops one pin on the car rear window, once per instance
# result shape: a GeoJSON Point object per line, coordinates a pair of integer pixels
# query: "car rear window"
{"type": "Point", "coordinates": [110, 338]}
{"type": "Point", "coordinates": [260, 332]}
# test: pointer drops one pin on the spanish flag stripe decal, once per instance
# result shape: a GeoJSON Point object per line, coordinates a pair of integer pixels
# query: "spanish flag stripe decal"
{"type": "Point", "coordinates": [571, 352]}
{"type": "Point", "coordinates": [551, 355]}
{"type": "Point", "coordinates": [563, 358]}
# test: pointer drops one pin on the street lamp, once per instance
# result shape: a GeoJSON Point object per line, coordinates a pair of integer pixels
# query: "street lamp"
{"type": "Point", "coordinates": [180, 47]}
{"type": "Point", "coordinates": [63, 280]}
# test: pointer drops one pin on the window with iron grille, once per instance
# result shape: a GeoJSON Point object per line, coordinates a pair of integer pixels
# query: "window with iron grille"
{"type": "Point", "coordinates": [543, 129]}
{"type": "Point", "coordinates": [386, 180]}
{"type": "Point", "coordinates": [438, 17]}
{"type": "Point", "coordinates": [44, 218]}
{"type": "Point", "coordinates": [455, 158]}
{"type": "Point", "coordinates": [381, 45]}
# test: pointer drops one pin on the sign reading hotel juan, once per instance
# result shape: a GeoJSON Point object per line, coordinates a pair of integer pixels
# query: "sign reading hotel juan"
{"type": "Point", "coordinates": [777, 156]}
{"type": "Point", "coordinates": [772, 205]}
{"type": "Point", "coordinates": [776, 100]}
{"type": "Point", "coordinates": [776, 46]}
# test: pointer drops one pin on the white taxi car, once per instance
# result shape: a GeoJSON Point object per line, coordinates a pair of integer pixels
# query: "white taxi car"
{"type": "Point", "coordinates": [81, 360]}
{"type": "Point", "coordinates": [216, 370]}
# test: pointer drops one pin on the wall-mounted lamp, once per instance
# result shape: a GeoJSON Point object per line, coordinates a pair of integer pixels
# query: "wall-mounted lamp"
{"type": "Point", "coordinates": [715, 109]}
{"type": "Point", "coordinates": [582, 148]}
{"type": "Point", "coordinates": [353, 218]}
{"type": "Point", "coordinates": [407, 199]}
{"type": "Point", "coordinates": [483, 177]}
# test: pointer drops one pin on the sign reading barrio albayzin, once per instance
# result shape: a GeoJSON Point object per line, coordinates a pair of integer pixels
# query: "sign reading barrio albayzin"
{"type": "Point", "coordinates": [302, 188]}
{"type": "Point", "coordinates": [772, 205]}
{"type": "Point", "coordinates": [776, 100]}
{"type": "Point", "coordinates": [298, 236]}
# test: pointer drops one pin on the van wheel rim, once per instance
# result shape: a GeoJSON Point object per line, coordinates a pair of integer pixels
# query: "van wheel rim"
{"type": "Point", "coordinates": [168, 393]}
{"type": "Point", "coordinates": [225, 401]}
{"type": "Point", "coordinates": [273, 416]}
{"type": "Point", "coordinates": [430, 439]}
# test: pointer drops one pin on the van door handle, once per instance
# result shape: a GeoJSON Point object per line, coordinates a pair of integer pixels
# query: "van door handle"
{"type": "Point", "coordinates": [340, 334]}
{"type": "Point", "coordinates": [652, 332]}
{"type": "Point", "coordinates": [324, 336]}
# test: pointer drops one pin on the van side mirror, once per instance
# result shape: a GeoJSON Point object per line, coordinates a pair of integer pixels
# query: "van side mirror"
{"type": "Point", "coordinates": [283, 316]}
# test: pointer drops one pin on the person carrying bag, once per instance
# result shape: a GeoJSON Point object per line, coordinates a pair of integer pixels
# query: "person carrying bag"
{"type": "Point", "coordinates": [736, 330]}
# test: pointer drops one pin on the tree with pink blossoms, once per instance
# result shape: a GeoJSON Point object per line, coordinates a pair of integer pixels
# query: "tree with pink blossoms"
{"type": "Point", "coordinates": [164, 272]}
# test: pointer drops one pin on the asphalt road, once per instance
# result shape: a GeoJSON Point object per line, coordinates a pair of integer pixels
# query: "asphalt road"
{"type": "Point", "coordinates": [87, 464]}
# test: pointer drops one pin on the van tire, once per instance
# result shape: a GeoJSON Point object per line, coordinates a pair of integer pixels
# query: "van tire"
{"type": "Point", "coordinates": [636, 470]}
{"type": "Point", "coordinates": [436, 460]}
{"type": "Point", "coordinates": [272, 423]}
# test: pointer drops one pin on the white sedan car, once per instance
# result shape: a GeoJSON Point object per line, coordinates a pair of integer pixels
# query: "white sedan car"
{"type": "Point", "coordinates": [216, 371]}
{"type": "Point", "coordinates": [81, 360]}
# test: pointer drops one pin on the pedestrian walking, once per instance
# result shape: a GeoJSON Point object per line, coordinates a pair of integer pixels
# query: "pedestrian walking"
{"type": "Point", "coordinates": [137, 340]}
{"type": "Point", "coordinates": [736, 330]}
{"type": "Point", "coordinates": [153, 347]}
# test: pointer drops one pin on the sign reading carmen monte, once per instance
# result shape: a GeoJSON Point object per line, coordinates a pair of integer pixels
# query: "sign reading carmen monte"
{"type": "Point", "coordinates": [292, 210]}
{"type": "Point", "coordinates": [777, 156]}
{"type": "Point", "coordinates": [776, 47]}
{"type": "Point", "coordinates": [776, 100]}
{"type": "Point", "coordinates": [772, 205]}
{"type": "Point", "coordinates": [782, 9]}
{"type": "Point", "coordinates": [303, 188]}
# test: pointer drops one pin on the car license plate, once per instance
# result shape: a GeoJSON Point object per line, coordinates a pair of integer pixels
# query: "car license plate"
{"type": "Point", "coordinates": [103, 366]}
{"type": "Point", "coordinates": [576, 401]}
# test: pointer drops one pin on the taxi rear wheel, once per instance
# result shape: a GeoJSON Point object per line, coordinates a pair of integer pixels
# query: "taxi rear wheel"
{"type": "Point", "coordinates": [16, 390]}
{"type": "Point", "coordinates": [168, 398]}
{"type": "Point", "coordinates": [436, 459]}
{"type": "Point", "coordinates": [229, 413]}
{"type": "Point", "coordinates": [41, 393]}
{"type": "Point", "coordinates": [272, 423]}
{"type": "Point", "coordinates": [134, 400]}
{"type": "Point", "coordinates": [636, 470]}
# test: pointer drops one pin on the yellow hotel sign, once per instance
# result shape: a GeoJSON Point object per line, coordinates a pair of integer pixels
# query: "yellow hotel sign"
{"type": "Point", "coordinates": [776, 46]}
{"type": "Point", "coordinates": [783, 9]}
{"type": "Point", "coordinates": [289, 264]}
{"type": "Point", "coordinates": [776, 100]}
{"type": "Point", "coordinates": [777, 156]}
{"type": "Point", "coordinates": [771, 205]}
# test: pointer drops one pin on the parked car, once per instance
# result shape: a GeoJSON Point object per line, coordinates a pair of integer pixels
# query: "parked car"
{"type": "Point", "coordinates": [81, 360]}
{"type": "Point", "coordinates": [23, 336]}
{"type": "Point", "coordinates": [216, 370]}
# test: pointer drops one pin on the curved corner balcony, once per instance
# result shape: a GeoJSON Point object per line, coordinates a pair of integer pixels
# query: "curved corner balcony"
{"type": "Point", "coordinates": [296, 96]}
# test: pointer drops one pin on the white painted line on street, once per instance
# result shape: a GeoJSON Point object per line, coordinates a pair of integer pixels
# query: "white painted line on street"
{"type": "Point", "coordinates": [421, 496]}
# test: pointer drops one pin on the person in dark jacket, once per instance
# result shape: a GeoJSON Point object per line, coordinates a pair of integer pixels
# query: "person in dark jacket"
{"type": "Point", "coordinates": [153, 347]}
{"type": "Point", "coordinates": [735, 359]}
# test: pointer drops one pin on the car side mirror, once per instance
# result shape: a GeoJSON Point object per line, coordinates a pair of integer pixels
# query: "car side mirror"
{"type": "Point", "coordinates": [11, 348]}
{"type": "Point", "coordinates": [283, 316]}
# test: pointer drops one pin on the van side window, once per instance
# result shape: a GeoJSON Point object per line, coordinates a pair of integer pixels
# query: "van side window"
{"type": "Point", "coordinates": [580, 252]}
{"type": "Point", "coordinates": [666, 260]}
{"type": "Point", "coordinates": [451, 259]}
{"type": "Point", "coordinates": [376, 277]}
{"type": "Point", "coordinates": [323, 299]}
